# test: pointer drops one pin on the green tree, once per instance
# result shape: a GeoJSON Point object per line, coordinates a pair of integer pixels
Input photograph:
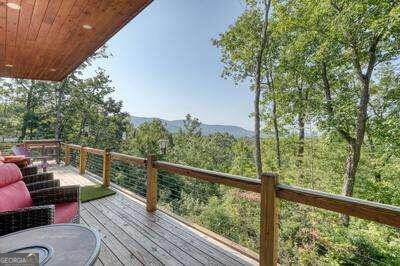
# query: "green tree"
{"type": "Point", "coordinates": [191, 125]}
{"type": "Point", "coordinates": [244, 46]}
{"type": "Point", "coordinates": [144, 140]}
{"type": "Point", "coordinates": [341, 37]}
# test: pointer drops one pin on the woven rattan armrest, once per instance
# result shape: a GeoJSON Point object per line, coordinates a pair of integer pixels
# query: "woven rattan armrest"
{"type": "Point", "coordinates": [16, 220]}
{"type": "Point", "coordinates": [55, 195]}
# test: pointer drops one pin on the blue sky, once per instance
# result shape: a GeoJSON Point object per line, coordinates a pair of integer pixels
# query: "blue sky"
{"type": "Point", "coordinates": [164, 64]}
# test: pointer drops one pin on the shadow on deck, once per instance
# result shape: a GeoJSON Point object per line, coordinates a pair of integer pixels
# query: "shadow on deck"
{"type": "Point", "coordinates": [133, 236]}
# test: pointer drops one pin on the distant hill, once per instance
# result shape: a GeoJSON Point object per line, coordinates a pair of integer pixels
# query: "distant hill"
{"type": "Point", "coordinates": [174, 126]}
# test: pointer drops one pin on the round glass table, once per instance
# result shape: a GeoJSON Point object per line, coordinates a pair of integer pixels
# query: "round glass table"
{"type": "Point", "coordinates": [57, 244]}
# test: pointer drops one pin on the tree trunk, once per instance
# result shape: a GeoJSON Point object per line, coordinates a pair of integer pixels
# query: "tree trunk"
{"type": "Point", "coordinates": [257, 140]}
{"type": "Point", "coordinates": [270, 81]}
{"type": "Point", "coordinates": [60, 98]}
{"type": "Point", "coordinates": [23, 128]}
{"type": "Point", "coordinates": [57, 130]}
{"type": "Point", "coordinates": [257, 90]}
{"type": "Point", "coordinates": [353, 157]}
{"type": "Point", "coordinates": [300, 150]}
{"type": "Point", "coordinates": [276, 133]}
{"type": "Point", "coordinates": [27, 114]}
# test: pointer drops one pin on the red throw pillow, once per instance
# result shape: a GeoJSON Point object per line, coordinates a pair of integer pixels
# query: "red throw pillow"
{"type": "Point", "coordinates": [14, 196]}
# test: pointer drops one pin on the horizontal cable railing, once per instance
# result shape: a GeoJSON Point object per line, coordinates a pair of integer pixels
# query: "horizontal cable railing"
{"type": "Point", "coordinates": [373, 211]}
{"type": "Point", "coordinates": [95, 164]}
{"type": "Point", "coordinates": [166, 183]}
{"type": "Point", "coordinates": [205, 204]}
{"type": "Point", "coordinates": [73, 156]}
{"type": "Point", "coordinates": [129, 176]}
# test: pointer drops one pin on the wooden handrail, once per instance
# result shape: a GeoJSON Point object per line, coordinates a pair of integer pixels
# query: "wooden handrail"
{"type": "Point", "coordinates": [211, 176]}
{"type": "Point", "coordinates": [115, 156]}
{"type": "Point", "coordinates": [40, 141]}
{"type": "Point", "coordinates": [373, 211]}
{"type": "Point", "coordinates": [73, 146]}
{"type": "Point", "coordinates": [94, 151]}
{"type": "Point", "coordinates": [9, 144]}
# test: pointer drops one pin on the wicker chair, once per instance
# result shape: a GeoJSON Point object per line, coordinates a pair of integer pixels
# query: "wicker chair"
{"type": "Point", "coordinates": [29, 170]}
{"type": "Point", "coordinates": [21, 161]}
{"type": "Point", "coordinates": [19, 150]}
{"type": "Point", "coordinates": [34, 204]}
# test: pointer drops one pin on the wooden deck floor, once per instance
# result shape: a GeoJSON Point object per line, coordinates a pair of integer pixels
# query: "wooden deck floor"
{"type": "Point", "coordinates": [133, 236]}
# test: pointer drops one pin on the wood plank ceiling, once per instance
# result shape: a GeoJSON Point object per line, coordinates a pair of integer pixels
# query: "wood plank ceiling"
{"type": "Point", "coordinates": [48, 39]}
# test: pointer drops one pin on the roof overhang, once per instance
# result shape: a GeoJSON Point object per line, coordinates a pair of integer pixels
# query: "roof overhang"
{"type": "Point", "coordinates": [48, 39]}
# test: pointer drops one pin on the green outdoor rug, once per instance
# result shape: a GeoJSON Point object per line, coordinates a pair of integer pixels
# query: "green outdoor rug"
{"type": "Point", "coordinates": [89, 193]}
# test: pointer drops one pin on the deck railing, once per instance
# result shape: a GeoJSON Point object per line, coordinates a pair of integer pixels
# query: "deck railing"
{"type": "Point", "coordinates": [268, 188]}
{"type": "Point", "coordinates": [49, 148]}
{"type": "Point", "coordinates": [43, 147]}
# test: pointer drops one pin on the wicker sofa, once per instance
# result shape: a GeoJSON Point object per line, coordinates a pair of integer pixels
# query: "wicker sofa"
{"type": "Point", "coordinates": [26, 202]}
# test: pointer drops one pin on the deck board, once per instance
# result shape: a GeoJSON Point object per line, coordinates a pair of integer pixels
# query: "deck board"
{"type": "Point", "coordinates": [105, 253]}
{"type": "Point", "coordinates": [111, 242]}
{"type": "Point", "coordinates": [132, 236]}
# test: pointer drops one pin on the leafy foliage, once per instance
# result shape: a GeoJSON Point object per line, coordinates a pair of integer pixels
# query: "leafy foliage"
{"type": "Point", "coordinates": [87, 114]}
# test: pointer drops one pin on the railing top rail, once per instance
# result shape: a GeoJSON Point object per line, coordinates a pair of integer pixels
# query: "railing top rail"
{"type": "Point", "coordinates": [72, 146]}
{"type": "Point", "coordinates": [369, 210]}
{"type": "Point", "coordinates": [94, 151]}
{"type": "Point", "coordinates": [128, 158]}
{"type": "Point", "coordinates": [41, 141]}
{"type": "Point", "coordinates": [9, 144]}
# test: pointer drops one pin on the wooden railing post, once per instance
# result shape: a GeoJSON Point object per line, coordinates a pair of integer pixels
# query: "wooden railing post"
{"type": "Point", "coordinates": [82, 160]}
{"type": "Point", "coordinates": [106, 167]}
{"type": "Point", "coordinates": [67, 155]}
{"type": "Point", "coordinates": [151, 194]}
{"type": "Point", "coordinates": [269, 220]}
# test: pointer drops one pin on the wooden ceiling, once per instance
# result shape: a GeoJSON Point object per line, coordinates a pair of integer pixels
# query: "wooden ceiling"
{"type": "Point", "coordinates": [48, 39]}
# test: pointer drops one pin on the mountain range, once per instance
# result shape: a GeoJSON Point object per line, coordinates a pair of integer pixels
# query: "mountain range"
{"type": "Point", "coordinates": [174, 126]}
